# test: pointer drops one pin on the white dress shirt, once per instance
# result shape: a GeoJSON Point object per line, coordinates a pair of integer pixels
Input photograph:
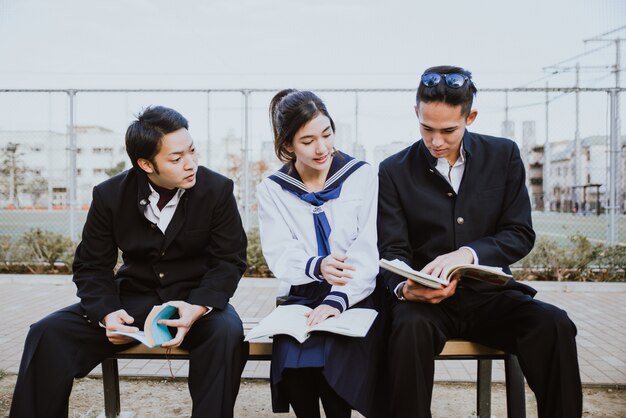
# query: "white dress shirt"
{"type": "Point", "coordinates": [161, 217]}
{"type": "Point", "coordinates": [454, 174]}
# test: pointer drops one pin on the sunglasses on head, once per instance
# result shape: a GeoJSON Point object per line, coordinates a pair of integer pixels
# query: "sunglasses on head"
{"type": "Point", "coordinates": [453, 80]}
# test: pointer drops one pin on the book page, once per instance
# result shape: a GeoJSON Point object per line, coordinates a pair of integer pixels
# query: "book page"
{"type": "Point", "coordinates": [489, 274]}
{"type": "Point", "coordinates": [139, 336]}
{"type": "Point", "coordinates": [353, 323]}
{"type": "Point", "coordinates": [285, 319]}
{"type": "Point", "coordinates": [403, 269]}
{"type": "Point", "coordinates": [157, 333]}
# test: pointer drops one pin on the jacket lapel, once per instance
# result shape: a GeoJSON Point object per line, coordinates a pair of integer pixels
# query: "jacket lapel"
{"type": "Point", "coordinates": [177, 221]}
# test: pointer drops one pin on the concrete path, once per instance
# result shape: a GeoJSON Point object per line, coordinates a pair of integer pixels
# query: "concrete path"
{"type": "Point", "coordinates": [598, 309]}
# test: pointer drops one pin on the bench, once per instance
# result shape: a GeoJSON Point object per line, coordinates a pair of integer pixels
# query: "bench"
{"type": "Point", "coordinates": [262, 350]}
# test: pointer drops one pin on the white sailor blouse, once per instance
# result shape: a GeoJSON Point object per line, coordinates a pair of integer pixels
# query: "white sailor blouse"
{"type": "Point", "coordinates": [299, 228]}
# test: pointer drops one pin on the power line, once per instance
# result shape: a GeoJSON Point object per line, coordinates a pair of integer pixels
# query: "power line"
{"type": "Point", "coordinates": [607, 33]}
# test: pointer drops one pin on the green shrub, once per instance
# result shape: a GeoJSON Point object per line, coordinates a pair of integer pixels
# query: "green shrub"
{"type": "Point", "coordinates": [42, 250]}
{"type": "Point", "coordinates": [612, 263]}
{"type": "Point", "coordinates": [257, 266]}
{"type": "Point", "coordinates": [5, 251]}
{"type": "Point", "coordinates": [579, 261]}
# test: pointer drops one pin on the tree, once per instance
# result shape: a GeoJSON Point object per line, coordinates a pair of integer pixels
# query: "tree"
{"type": "Point", "coordinates": [116, 169]}
{"type": "Point", "coordinates": [12, 173]}
{"type": "Point", "coordinates": [37, 187]}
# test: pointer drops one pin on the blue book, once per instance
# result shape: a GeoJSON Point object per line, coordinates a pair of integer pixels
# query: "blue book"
{"type": "Point", "coordinates": [154, 334]}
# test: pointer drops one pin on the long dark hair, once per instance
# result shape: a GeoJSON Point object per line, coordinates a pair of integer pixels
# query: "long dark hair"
{"type": "Point", "coordinates": [290, 110]}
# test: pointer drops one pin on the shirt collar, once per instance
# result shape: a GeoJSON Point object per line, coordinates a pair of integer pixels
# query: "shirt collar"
{"type": "Point", "coordinates": [154, 197]}
{"type": "Point", "coordinates": [466, 150]}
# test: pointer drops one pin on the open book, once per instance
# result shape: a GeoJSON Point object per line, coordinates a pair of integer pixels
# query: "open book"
{"type": "Point", "coordinates": [493, 275]}
{"type": "Point", "coordinates": [290, 320]}
{"type": "Point", "coordinates": [154, 334]}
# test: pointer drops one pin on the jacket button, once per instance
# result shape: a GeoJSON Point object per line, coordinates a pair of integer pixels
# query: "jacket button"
{"type": "Point", "coordinates": [163, 253]}
{"type": "Point", "coordinates": [143, 202]}
{"type": "Point", "coordinates": [460, 220]}
{"type": "Point", "coordinates": [450, 194]}
{"type": "Point", "coordinates": [161, 275]}
{"type": "Point", "coordinates": [152, 226]}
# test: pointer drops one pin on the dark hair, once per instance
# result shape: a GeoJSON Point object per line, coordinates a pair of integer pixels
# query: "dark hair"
{"type": "Point", "coordinates": [463, 96]}
{"type": "Point", "coordinates": [143, 136]}
{"type": "Point", "coordinates": [290, 110]}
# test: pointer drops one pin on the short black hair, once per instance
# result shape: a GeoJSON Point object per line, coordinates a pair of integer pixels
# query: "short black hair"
{"type": "Point", "coordinates": [143, 136]}
{"type": "Point", "coordinates": [441, 92]}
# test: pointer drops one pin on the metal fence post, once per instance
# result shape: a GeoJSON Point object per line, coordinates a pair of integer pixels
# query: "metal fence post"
{"type": "Point", "coordinates": [208, 129]}
{"type": "Point", "coordinates": [612, 203]}
{"type": "Point", "coordinates": [547, 192]}
{"type": "Point", "coordinates": [246, 168]}
{"type": "Point", "coordinates": [72, 183]}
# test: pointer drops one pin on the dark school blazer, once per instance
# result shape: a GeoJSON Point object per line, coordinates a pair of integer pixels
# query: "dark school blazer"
{"type": "Point", "coordinates": [421, 217]}
{"type": "Point", "coordinates": [200, 258]}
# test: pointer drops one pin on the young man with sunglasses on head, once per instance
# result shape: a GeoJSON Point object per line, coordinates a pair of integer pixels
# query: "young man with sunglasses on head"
{"type": "Point", "coordinates": [459, 197]}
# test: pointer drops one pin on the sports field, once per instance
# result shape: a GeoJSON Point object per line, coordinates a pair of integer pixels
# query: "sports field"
{"type": "Point", "coordinates": [556, 226]}
{"type": "Point", "coordinates": [16, 222]}
{"type": "Point", "coordinates": [560, 226]}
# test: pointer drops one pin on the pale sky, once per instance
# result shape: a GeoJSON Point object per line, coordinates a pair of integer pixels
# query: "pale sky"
{"type": "Point", "coordinates": [267, 43]}
{"type": "Point", "coordinates": [304, 44]}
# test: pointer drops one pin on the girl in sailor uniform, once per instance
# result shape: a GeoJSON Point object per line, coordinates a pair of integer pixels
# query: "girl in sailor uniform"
{"type": "Point", "coordinates": [317, 219]}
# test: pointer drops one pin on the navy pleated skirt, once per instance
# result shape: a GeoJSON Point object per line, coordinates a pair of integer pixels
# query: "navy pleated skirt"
{"type": "Point", "coordinates": [350, 365]}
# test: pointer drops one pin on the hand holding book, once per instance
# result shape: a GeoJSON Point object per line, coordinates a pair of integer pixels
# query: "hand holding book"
{"type": "Point", "coordinates": [154, 334]}
{"type": "Point", "coordinates": [493, 275]}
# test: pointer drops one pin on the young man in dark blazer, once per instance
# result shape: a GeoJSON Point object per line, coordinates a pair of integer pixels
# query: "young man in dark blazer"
{"type": "Point", "coordinates": [459, 197]}
{"type": "Point", "coordinates": [182, 242]}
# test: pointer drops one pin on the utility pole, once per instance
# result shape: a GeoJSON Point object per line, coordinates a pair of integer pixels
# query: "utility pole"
{"type": "Point", "coordinates": [547, 192]}
{"type": "Point", "coordinates": [615, 124]}
{"type": "Point", "coordinates": [11, 149]}
{"type": "Point", "coordinates": [576, 166]}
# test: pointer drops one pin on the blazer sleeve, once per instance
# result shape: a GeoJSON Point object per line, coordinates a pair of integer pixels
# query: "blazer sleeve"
{"type": "Point", "coordinates": [227, 254]}
{"type": "Point", "coordinates": [94, 261]}
{"type": "Point", "coordinates": [362, 252]}
{"type": "Point", "coordinates": [393, 230]}
{"type": "Point", "coordinates": [514, 236]}
{"type": "Point", "coordinates": [286, 256]}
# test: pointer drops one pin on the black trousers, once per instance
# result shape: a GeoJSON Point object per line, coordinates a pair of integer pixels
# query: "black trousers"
{"type": "Point", "coordinates": [540, 334]}
{"type": "Point", "coordinates": [64, 346]}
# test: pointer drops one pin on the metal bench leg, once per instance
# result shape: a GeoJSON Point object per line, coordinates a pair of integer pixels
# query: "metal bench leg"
{"type": "Point", "coordinates": [483, 393]}
{"type": "Point", "coordinates": [111, 382]}
{"type": "Point", "coordinates": [515, 389]}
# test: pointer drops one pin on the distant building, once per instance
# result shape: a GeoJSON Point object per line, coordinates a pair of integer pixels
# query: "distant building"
{"type": "Point", "coordinates": [508, 129]}
{"type": "Point", "coordinates": [383, 151]}
{"type": "Point", "coordinates": [560, 189]}
{"type": "Point", "coordinates": [41, 165]}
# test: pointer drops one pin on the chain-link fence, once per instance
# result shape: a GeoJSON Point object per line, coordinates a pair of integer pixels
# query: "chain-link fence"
{"type": "Point", "coordinates": [57, 144]}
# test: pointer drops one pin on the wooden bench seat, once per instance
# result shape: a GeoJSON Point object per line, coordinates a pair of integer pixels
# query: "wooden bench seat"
{"type": "Point", "coordinates": [262, 350]}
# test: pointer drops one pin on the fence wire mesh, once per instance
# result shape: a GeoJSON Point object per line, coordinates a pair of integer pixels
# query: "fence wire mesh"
{"type": "Point", "coordinates": [56, 145]}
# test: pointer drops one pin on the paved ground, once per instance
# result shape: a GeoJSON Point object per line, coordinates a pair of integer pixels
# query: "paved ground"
{"type": "Point", "coordinates": [597, 309]}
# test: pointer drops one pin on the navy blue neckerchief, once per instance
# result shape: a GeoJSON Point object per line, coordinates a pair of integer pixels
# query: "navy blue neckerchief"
{"type": "Point", "coordinates": [341, 167]}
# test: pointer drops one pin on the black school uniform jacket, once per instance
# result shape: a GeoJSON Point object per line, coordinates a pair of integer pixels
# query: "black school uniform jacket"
{"type": "Point", "coordinates": [421, 217]}
{"type": "Point", "coordinates": [199, 259]}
